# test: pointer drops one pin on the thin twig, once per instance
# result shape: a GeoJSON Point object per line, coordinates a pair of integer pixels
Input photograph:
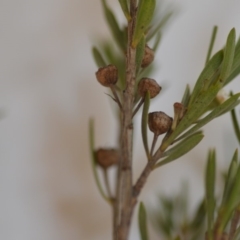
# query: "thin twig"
{"type": "Point", "coordinates": [142, 179]}
{"type": "Point", "coordinates": [113, 89]}
{"type": "Point", "coordinates": [137, 107]}
{"type": "Point", "coordinates": [155, 138]}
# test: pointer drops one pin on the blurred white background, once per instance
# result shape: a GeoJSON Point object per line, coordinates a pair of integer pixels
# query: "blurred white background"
{"type": "Point", "coordinates": [48, 92]}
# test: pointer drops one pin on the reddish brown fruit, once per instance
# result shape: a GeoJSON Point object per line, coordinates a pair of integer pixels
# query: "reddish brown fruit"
{"type": "Point", "coordinates": [107, 157]}
{"type": "Point", "coordinates": [159, 122]}
{"type": "Point", "coordinates": [107, 76]}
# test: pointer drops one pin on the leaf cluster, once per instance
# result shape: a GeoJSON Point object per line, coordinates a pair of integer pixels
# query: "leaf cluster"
{"type": "Point", "coordinates": [215, 217]}
{"type": "Point", "coordinates": [198, 103]}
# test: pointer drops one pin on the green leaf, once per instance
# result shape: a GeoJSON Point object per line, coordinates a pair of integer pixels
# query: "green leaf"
{"type": "Point", "coordinates": [228, 56]}
{"type": "Point", "coordinates": [114, 27]}
{"type": "Point", "coordinates": [232, 202]}
{"type": "Point", "coordinates": [198, 220]}
{"type": "Point", "coordinates": [207, 73]}
{"type": "Point", "coordinates": [235, 124]}
{"type": "Point", "coordinates": [214, 33]}
{"type": "Point", "coordinates": [186, 96]}
{"type": "Point", "coordinates": [182, 148]}
{"type": "Point", "coordinates": [140, 53]}
{"type": "Point", "coordinates": [233, 74]}
{"type": "Point", "coordinates": [228, 105]}
{"type": "Point", "coordinates": [193, 113]}
{"type": "Point", "coordinates": [159, 26]}
{"type": "Point", "coordinates": [142, 222]}
{"type": "Point", "coordinates": [125, 9]}
{"type": "Point", "coordinates": [98, 58]}
{"type": "Point", "coordinates": [157, 41]}
{"type": "Point", "coordinates": [144, 17]}
{"type": "Point", "coordinates": [210, 188]}
{"type": "Point", "coordinates": [145, 123]}
{"type": "Point", "coordinates": [94, 165]}
{"type": "Point", "coordinates": [230, 178]}
{"type": "Point", "coordinates": [236, 64]}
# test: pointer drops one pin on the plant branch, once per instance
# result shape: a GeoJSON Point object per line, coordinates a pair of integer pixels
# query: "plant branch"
{"type": "Point", "coordinates": [142, 179]}
{"type": "Point", "coordinates": [123, 207]}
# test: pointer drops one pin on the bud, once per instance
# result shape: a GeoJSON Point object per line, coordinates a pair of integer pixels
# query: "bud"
{"type": "Point", "coordinates": [159, 122]}
{"type": "Point", "coordinates": [148, 57]}
{"type": "Point", "coordinates": [179, 111]}
{"type": "Point", "coordinates": [107, 157]}
{"type": "Point", "coordinates": [108, 75]}
{"type": "Point", "coordinates": [148, 84]}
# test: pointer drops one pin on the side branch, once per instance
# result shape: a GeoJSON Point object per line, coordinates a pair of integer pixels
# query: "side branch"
{"type": "Point", "coordinates": [142, 179]}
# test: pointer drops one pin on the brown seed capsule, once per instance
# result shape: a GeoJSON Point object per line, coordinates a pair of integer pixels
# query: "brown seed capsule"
{"type": "Point", "coordinates": [108, 75]}
{"type": "Point", "coordinates": [179, 111]}
{"type": "Point", "coordinates": [148, 84]}
{"type": "Point", "coordinates": [148, 57]}
{"type": "Point", "coordinates": [159, 122]}
{"type": "Point", "coordinates": [107, 157]}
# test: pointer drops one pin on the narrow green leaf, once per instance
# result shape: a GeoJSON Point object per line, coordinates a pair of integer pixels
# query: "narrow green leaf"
{"type": "Point", "coordinates": [232, 201]}
{"type": "Point", "coordinates": [228, 105]}
{"type": "Point", "coordinates": [145, 123]}
{"type": "Point", "coordinates": [176, 148]}
{"type": "Point", "coordinates": [230, 177]}
{"type": "Point", "coordinates": [157, 41]}
{"type": "Point", "coordinates": [144, 17]}
{"type": "Point", "coordinates": [94, 165]}
{"type": "Point", "coordinates": [159, 26]}
{"type": "Point", "coordinates": [235, 124]}
{"type": "Point", "coordinates": [209, 188]}
{"type": "Point", "coordinates": [140, 53]}
{"type": "Point", "coordinates": [142, 222]}
{"type": "Point", "coordinates": [193, 113]}
{"type": "Point", "coordinates": [237, 234]}
{"type": "Point", "coordinates": [206, 75]}
{"type": "Point", "coordinates": [98, 57]}
{"type": "Point", "coordinates": [237, 44]}
{"type": "Point", "coordinates": [182, 148]}
{"type": "Point", "coordinates": [114, 27]}
{"type": "Point", "coordinates": [199, 218]}
{"type": "Point", "coordinates": [233, 74]}
{"type": "Point", "coordinates": [214, 33]}
{"type": "Point", "coordinates": [228, 56]}
{"type": "Point", "coordinates": [236, 64]}
{"type": "Point", "coordinates": [125, 9]}
{"type": "Point", "coordinates": [186, 96]}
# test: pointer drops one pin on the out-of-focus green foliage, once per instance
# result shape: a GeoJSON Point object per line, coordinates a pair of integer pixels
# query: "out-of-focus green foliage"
{"type": "Point", "coordinates": [142, 222]}
{"type": "Point", "coordinates": [172, 219]}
